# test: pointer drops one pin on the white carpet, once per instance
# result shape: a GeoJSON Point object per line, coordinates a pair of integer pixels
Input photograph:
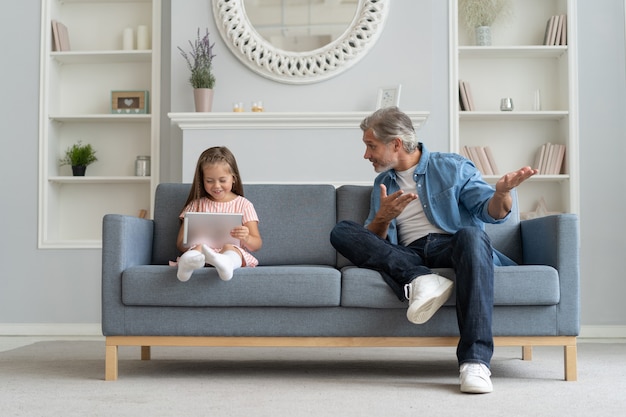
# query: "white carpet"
{"type": "Point", "coordinates": [65, 378]}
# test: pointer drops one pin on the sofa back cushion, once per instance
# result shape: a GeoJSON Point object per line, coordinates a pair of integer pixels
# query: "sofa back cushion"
{"type": "Point", "coordinates": [169, 200]}
{"type": "Point", "coordinates": [294, 220]}
{"type": "Point", "coordinates": [353, 202]}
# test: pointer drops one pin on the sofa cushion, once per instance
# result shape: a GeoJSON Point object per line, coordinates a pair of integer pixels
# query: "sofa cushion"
{"type": "Point", "coordinates": [295, 221]}
{"type": "Point", "coordinates": [263, 286]}
{"type": "Point", "coordinates": [513, 286]}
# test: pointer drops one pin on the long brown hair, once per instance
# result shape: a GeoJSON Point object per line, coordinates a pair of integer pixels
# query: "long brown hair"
{"type": "Point", "coordinates": [211, 156]}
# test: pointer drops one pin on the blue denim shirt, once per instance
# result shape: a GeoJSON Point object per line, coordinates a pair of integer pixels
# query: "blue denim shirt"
{"type": "Point", "coordinates": [452, 192]}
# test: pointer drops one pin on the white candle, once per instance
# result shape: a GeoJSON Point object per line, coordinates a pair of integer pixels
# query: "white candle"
{"type": "Point", "coordinates": [143, 37]}
{"type": "Point", "coordinates": [128, 40]}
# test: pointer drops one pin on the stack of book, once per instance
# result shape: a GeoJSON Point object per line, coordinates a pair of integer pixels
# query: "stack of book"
{"type": "Point", "coordinates": [466, 101]}
{"type": "Point", "coordinates": [556, 31]}
{"type": "Point", "coordinates": [60, 37]}
{"type": "Point", "coordinates": [549, 160]}
{"type": "Point", "coordinates": [482, 157]}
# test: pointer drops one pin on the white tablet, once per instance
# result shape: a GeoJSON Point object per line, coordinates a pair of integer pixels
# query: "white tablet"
{"type": "Point", "coordinates": [213, 227]}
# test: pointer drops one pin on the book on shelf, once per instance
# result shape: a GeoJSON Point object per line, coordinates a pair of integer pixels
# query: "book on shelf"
{"type": "Point", "coordinates": [556, 31]}
{"type": "Point", "coordinates": [549, 159]}
{"type": "Point", "coordinates": [492, 160]}
{"type": "Point", "coordinates": [465, 96]}
{"type": "Point", "coordinates": [564, 31]}
{"type": "Point", "coordinates": [60, 37]}
{"type": "Point", "coordinates": [482, 157]}
{"type": "Point", "coordinates": [470, 97]}
{"type": "Point", "coordinates": [56, 43]}
{"type": "Point", "coordinates": [546, 36]}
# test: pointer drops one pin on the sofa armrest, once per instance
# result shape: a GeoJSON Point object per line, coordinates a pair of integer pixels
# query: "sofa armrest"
{"type": "Point", "coordinates": [126, 241]}
{"type": "Point", "coordinates": [554, 240]}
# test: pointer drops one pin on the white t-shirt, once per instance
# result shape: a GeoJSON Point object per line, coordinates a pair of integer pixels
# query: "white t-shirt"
{"type": "Point", "coordinates": [412, 222]}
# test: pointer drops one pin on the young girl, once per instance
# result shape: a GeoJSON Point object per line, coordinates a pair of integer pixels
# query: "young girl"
{"type": "Point", "coordinates": [217, 188]}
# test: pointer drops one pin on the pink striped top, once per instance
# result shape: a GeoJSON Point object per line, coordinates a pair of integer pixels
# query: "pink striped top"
{"type": "Point", "coordinates": [238, 205]}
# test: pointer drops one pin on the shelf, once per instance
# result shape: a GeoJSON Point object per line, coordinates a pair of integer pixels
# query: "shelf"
{"type": "Point", "coordinates": [72, 244]}
{"type": "Point", "coordinates": [105, 118]}
{"type": "Point", "coordinates": [278, 120]}
{"type": "Point", "coordinates": [502, 52]}
{"type": "Point", "coordinates": [535, 178]}
{"type": "Point", "coordinates": [101, 57]}
{"type": "Point", "coordinates": [513, 115]}
{"type": "Point", "coordinates": [102, 1]}
{"type": "Point", "coordinates": [98, 180]}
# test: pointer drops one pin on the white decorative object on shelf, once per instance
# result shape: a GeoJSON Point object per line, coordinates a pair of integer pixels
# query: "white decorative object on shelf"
{"type": "Point", "coordinates": [388, 97]}
{"type": "Point", "coordinates": [128, 39]}
{"type": "Point", "coordinates": [483, 35]}
{"type": "Point", "coordinates": [143, 37]}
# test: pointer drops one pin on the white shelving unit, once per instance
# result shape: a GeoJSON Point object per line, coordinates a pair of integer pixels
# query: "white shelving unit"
{"type": "Point", "coordinates": [75, 103]}
{"type": "Point", "coordinates": [516, 65]}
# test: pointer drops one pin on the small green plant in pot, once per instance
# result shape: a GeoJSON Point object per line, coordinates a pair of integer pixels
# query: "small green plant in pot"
{"type": "Point", "coordinates": [79, 156]}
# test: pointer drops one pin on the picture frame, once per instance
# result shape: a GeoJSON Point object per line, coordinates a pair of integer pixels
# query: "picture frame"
{"type": "Point", "coordinates": [388, 96]}
{"type": "Point", "coordinates": [130, 102]}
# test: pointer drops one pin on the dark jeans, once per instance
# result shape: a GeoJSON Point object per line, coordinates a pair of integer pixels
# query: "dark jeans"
{"type": "Point", "coordinates": [468, 252]}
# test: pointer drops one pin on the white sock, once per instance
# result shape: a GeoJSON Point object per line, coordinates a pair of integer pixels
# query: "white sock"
{"type": "Point", "coordinates": [225, 263]}
{"type": "Point", "coordinates": [188, 262]}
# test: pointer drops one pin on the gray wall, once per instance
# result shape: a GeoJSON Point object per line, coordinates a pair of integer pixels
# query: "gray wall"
{"type": "Point", "coordinates": [63, 286]}
{"type": "Point", "coordinates": [602, 75]}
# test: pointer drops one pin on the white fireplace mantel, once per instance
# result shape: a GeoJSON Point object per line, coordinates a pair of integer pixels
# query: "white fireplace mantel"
{"type": "Point", "coordinates": [275, 147]}
{"type": "Point", "coordinates": [279, 120]}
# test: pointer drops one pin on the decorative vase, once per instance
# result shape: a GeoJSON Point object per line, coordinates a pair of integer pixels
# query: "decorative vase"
{"type": "Point", "coordinates": [483, 36]}
{"type": "Point", "coordinates": [203, 98]}
{"type": "Point", "coordinates": [79, 170]}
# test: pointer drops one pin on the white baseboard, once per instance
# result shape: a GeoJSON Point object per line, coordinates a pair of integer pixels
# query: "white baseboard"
{"type": "Point", "coordinates": [602, 332]}
{"type": "Point", "coordinates": [50, 329]}
{"type": "Point", "coordinates": [95, 329]}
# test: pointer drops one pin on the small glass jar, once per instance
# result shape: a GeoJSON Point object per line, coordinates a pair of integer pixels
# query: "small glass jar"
{"type": "Point", "coordinates": [142, 166]}
{"type": "Point", "coordinates": [257, 106]}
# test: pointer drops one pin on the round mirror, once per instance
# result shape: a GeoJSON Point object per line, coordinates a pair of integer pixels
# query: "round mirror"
{"type": "Point", "coordinates": [300, 25]}
{"type": "Point", "coordinates": [300, 41]}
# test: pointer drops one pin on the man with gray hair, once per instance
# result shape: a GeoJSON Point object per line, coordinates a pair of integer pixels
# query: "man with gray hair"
{"type": "Point", "coordinates": [428, 210]}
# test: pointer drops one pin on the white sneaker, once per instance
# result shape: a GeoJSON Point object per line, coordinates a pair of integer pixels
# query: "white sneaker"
{"type": "Point", "coordinates": [188, 262]}
{"type": "Point", "coordinates": [475, 379]}
{"type": "Point", "coordinates": [426, 294]}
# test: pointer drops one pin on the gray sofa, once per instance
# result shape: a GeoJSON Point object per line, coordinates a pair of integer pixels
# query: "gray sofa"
{"type": "Point", "coordinates": [304, 294]}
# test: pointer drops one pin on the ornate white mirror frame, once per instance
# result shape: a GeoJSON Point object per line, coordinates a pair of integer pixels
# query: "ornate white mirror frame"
{"type": "Point", "coordinates": [299, 67]}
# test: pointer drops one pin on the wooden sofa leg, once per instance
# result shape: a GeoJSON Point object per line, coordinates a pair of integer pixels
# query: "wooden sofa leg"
{"type": "Point", "coordinates": [527, 353]}
{"type": "Point", "coordinates": [571, 371]}
{"type": "Point", "coordinates": [110, 363]}
{"type": "Point", "coordinates": [145, 353]}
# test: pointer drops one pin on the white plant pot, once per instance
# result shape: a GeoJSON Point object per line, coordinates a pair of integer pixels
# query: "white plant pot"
{"type": "Point", "coordinates": [483, 36]}
{"type": "Point", "coordinates": [203, 99]}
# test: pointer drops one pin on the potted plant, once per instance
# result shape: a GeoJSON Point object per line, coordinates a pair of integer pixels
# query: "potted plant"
{"type": "Point", "coordinates": [79, 156]}
{"type": "Point", "coordinates": [479, 15]}
{"type": "Point", "coordinates": [200, 63]}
